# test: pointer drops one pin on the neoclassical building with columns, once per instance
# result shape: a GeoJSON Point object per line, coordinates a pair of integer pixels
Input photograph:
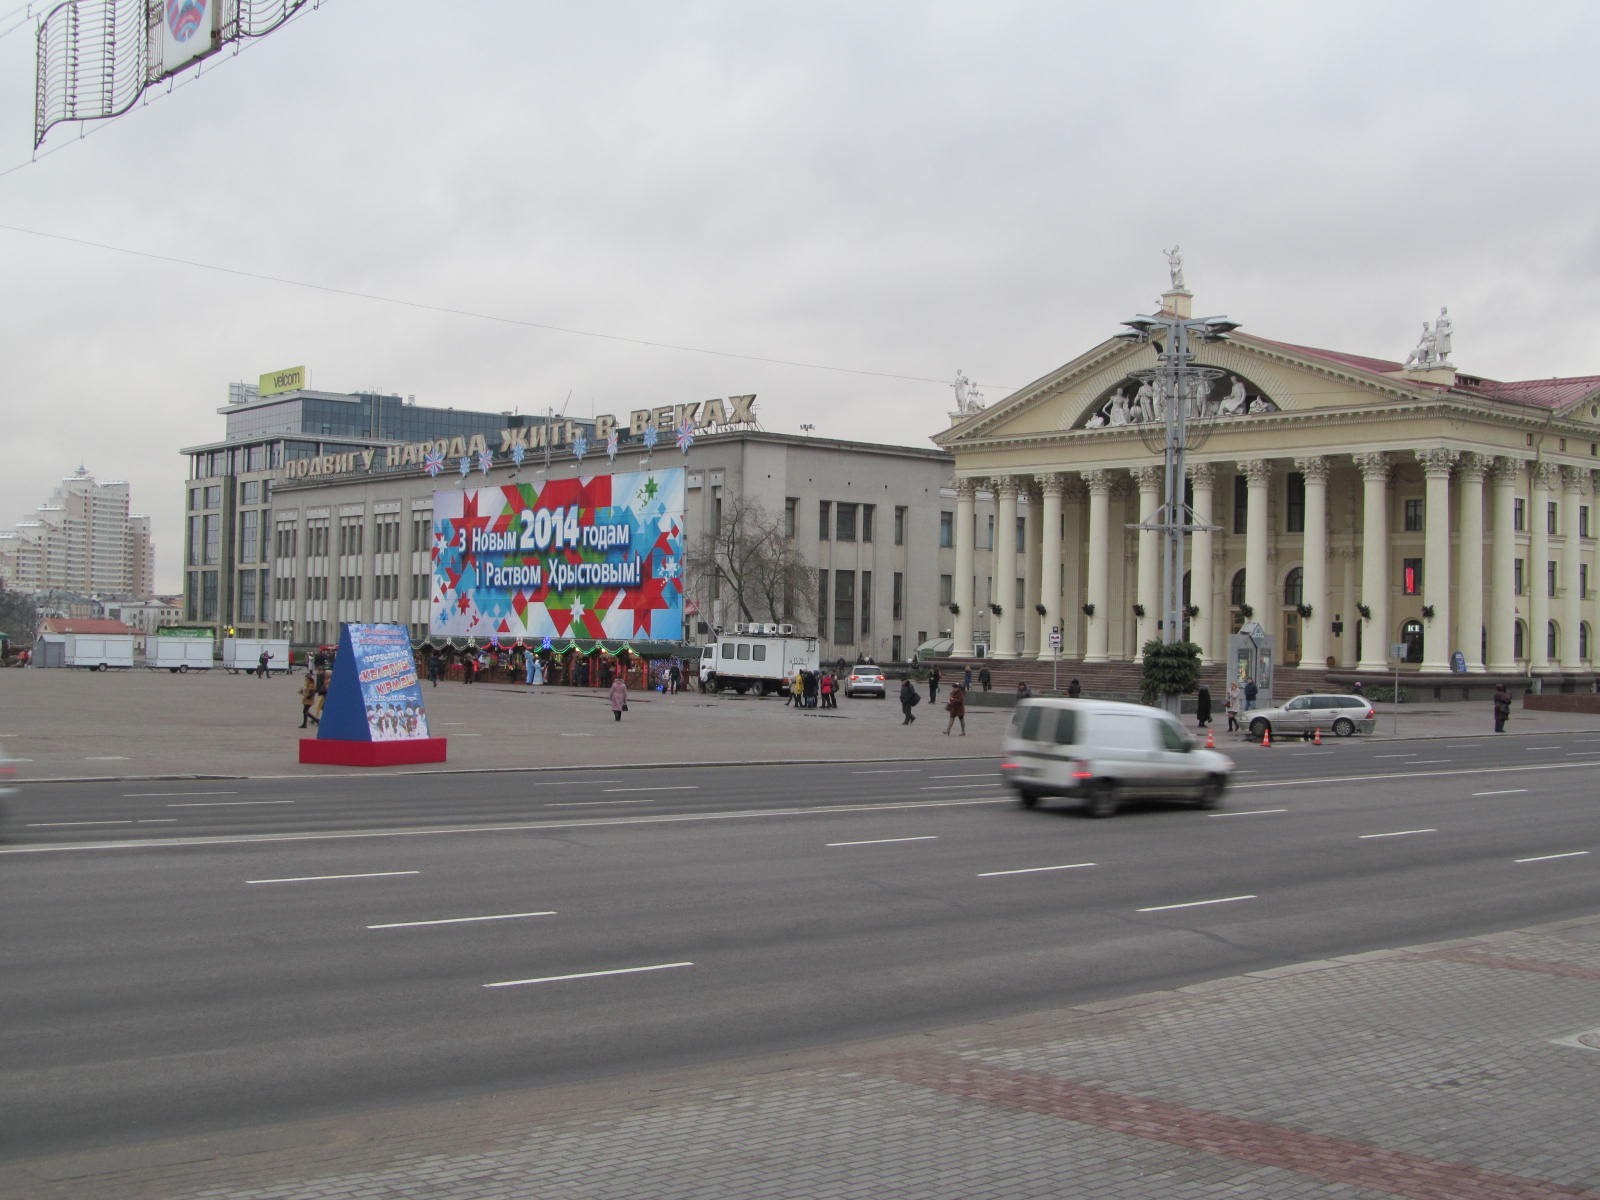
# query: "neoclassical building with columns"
{"type": "Point", "coordinates": [1352, 504]}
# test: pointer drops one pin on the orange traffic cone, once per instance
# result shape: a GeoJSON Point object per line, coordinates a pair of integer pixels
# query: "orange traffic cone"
{"type": "Point", "coordinates": [1211, 741]}
{"type": "Point", "coordinates": [1266, 738]}
{"type": "Point", "coordinates": [1316, 737]}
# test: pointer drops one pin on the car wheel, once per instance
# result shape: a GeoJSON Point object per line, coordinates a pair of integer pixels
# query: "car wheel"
{"type": "Point", "coordinates": [1102, 800]}
{"type": "Point", "coordinates": [1259, 728]}
{"type": "Point", "coordinates": [1027, 798]}
{"type": "Point", "coordinates": [183, 668]}
{"type": "Point", "coordinates": [712, 686]}
{"type": "Point", "coordinates": [1344, 727]}
{"type": "Point", "coordinates": [1211, 792]}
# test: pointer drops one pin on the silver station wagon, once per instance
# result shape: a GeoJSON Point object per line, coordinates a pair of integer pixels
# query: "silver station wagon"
{"type": "Point", "coordinates": [1340, 715]}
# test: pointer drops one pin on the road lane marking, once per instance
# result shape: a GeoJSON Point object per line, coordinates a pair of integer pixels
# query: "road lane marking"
{"type": "Point", "coordinates": [53, 824]}
{"type": "Point", "coordinates": [1397, 833]}
{"type": "Point", "coordinates": [588, 975]}
{"type": "Point", "coordinates": [927, 837]}
{"type": "Point", "coordinates": [1194, 904]}
{"type": "Point", "coordinates": [978, 775]}
{"type": "Point", "coordinates": [1532, 748]}
{"type": "Point", "coordinates": [1548, 857]}
{"type": "Point", "coordinates": [1407, 754]}
{"type": "Point", "coordinates": [227, 803]}
{"type": "Point", "coordinates": [1428, 762]}
{"type": "Point", "coordinates": [1035, 870]}
{"type": "Point", "coordinates": [563, 735]}
{"type": "Point", "coordinates": [891, 771]}
{"type": "Point", "coordinates": [572, 782]}
{"type": "Point", "coordinates": [460, 920]}
{"type": "Point", "coordinates": [315, 878]}
{"type": "Point", "coordinates": [165, 795]}
{"type": "Point", "coordinates": [591, 803]}
{"type": "Point", "coordinates": [671, 787]}
{"type": "Point", "coordinates": [1504, 792]}
{"type": "Point", "coordinates": [105, 758]}
{"type": "Point", "coordinates": [1249, 812]}
{"type": "Point", "coordinates": [945, 787]}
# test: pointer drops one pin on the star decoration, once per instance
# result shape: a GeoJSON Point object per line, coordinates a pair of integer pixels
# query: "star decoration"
{"type": "Point", "coordinates": [518, 453]}
{"type": "Point", "coordinates": [685, 437]}
{"type": "Point", "coordinates": [580, 447]}
{"type": "Point", "coordinates": [611, 445]}
{"type": "Point", "coordinates": [485, 460]}
{"type": "Point", "coordinates": [433, 463]}
{"type": "Point", "coordinates": [466, 466]}
{"type": "Point", "coordinates": [650, 437]}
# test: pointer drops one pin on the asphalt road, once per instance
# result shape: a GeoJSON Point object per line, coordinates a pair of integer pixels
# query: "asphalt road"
{"type": "Point", "coordinates": [202, 955]}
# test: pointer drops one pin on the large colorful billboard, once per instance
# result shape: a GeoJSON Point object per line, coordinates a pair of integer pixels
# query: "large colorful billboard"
{"type": "Point", "coordinates": [599, 556]}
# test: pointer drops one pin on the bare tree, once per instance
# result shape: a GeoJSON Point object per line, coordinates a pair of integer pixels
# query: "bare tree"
{"type": "Point", "coordinates": [745, 562]}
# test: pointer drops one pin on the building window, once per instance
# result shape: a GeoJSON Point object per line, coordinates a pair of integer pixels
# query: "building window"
{"type": "Point", "coordinates": [947, 530]}
{"type": "Point", "coordinates": [1293, 586]}
{"type": "Point", "coordinates": [1583, 520]}
{"type": "Point", "coordinates": [1294, 503]}
{"type": "Point", "coordinates": [844, 607]}
{"type": "Point", "coordinates": [1241, 504]}
{"type": "Point", "coordinates": [899, 596]}
{"type": "Point", "coordinates": [1550, 640]}
{"type": "Point", "coordinates": [213, 551]}
{"type": "Point", "coordinates": [1236, 591]}
{"type": "Point", "coordinates": [845, 526]}
{"type": "Point", "coordinates": [1550, 578]}
{"type": "Point", "coordinates": [791, 512]}
{"type": "Point", "coordinates": [824, 513]}
{"type": "Point", "coordinates": [1516, 577]}
{"type": "Point", "coordinates": [1519, 514]}
{"type": "Point", "coordinates": [247, 597]}
{"type": "Point", "coordinates": [249, 533]}
{"type": "Point", "coordinates": [1022, 536]}
{"type": "Point", "coordinates": [1583, 581]}
{"type": "Point", "coordinates": [866, 604]}
{"type": "Point", "coordinates": [988, 534]}
{"type": "Point", "coordinates": [947, 591]}
{"type": "Point", "coordinates": [867, 511]}
{"type": "Point", "coordinates": [1551, 512]}
{"type": "Point", "coordinates": [1413, 516]}
{"type": "Point", "coordinates": [1411, 576]}
{"type": "Point", "coordinates": [822, 603]}
{"type": "Point", "coordinates": [899, 524]}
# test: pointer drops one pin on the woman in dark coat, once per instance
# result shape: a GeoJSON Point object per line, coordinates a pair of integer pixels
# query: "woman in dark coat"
{"type": "Point", "coordinates": [1202, 706]}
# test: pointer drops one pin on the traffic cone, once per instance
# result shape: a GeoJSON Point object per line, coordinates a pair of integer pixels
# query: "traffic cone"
{"type": "Point", "coordinates": [1211, 741]}
{"type": "Point", "coordinates": [1266, 738]}
{"type": "Point", "coordinates": [1316, 737]}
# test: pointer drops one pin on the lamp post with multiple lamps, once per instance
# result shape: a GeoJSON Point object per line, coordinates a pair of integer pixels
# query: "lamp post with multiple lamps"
{"type": "Point", "coordinates": [1178, 382]}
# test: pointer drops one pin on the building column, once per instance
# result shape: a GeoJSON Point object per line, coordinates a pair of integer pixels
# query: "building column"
{"type": "Point", "coordinates": [1543, 478]}
{"type": "Point", "coordinates": [1096, 641]}
{"type": "Point", "coordinates": [1148, 586]}
{"type": "Point", "coordinates": [1032, 564]}
{"type": "Point", "coordinates": [1502, 621]}
{"type": "Point", "coordinates": [1436, 467]}
{"type": "Point", "coordinates": [1594, 575]}
{"type": "Point", "coordinates": [961, 591]}
{"type": "Point", "coordinates": [1258, 590]}
{"type": "Point", "coordinates": [1376, 636]}
{"type": "Point", "coordinates": [1074, 507]}
{"type": "Point", "coordinates": [1204, 478]}
{"type": "Point", "coordinates": [1049, 572]}
{"type": "Point", "coordinates": [1572, 481]}
{"type": "Point", "coordinates": [1003, 569]}
{"type": "Point", "coordinates": [1314, 562]}
{"type": "Point", "coordinates": [1469, 561]}
{"type": "Point", "coordinates": [1347, 613]}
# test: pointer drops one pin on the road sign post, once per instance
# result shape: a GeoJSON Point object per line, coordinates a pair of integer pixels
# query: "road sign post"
{"type": "Point", "coordinates": [1055, 657]}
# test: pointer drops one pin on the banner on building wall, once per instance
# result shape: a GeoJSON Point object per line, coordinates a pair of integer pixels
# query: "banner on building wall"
{"type": "Point", "coordinates": [374, 695]}
{"type": "Point", "coordinates": [599, 556]}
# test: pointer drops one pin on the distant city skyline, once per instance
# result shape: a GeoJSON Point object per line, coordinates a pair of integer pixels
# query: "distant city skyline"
{"type": "Point", "coordinates": [83, 538]}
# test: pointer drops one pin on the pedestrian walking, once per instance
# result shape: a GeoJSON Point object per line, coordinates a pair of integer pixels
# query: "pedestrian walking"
{"type": "Point", "coordinates": [966, 679]}
{"type": "Point", "coordinates": [261, 664]}
{"type": "Point", "coordinates": [1074, 689]}
{"type": "Point", "coordinates": [797, 691]}
{"type": "Point", "coordinates": [909, 699]}
{"type": "Point", "coordinates": [308, 696]}
{"type": "Point", "coordinates": [1250, 694]}
{"type": "Point", "coordinates": [956, 706]}
{"type": "Point", "coordinates": [469, 665]}
{"type": "Point", "coordinates": [983, 678]}
{"type": "Point", "coordinates": [674, 679]}
{"type": "Point", "coordinates": [826, 689]}
{"type": "Point", "coordinates": [435, 661]}
{"type": "Point", "coordinates": [1202, 706]}
{"type": "Point", "coordinates": [933, 686]}
{"type": "Point", "coordinates": [324, 682]}
{"type": "Point", "coordinates": [1233, 701]}
{"type": "Point", "coordinates": [619, 697]}
{"type": "Point", "coordinates": [1502, 707]}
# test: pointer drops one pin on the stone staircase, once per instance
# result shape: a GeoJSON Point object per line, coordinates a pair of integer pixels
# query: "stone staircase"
{"type": "Point", "coordinates": [1111, 680]}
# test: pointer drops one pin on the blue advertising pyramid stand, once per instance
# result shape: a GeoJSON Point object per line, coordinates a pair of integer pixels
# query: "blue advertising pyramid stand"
{"type": "Point", "coordinates": [373, 716]}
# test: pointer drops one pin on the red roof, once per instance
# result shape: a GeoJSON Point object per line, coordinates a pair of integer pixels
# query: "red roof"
{"type": "Point", "coordinates": [82, 625]}
{"type": "Point", "coordinates": [1529, 393]}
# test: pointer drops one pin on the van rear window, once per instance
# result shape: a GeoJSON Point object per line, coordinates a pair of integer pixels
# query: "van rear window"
{"type": "Point", "coordinates": [1040, 723]}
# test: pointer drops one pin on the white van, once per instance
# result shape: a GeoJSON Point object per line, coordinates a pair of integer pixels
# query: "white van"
{"type": "Point", "coordinates": [1103, 752]}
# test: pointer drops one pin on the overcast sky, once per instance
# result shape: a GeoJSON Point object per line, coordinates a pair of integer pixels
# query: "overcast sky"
{"type": "Point", "coordinates": [833, 205]}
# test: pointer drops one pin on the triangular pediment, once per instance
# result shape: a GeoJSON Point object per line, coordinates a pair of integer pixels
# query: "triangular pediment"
{"type": "Point", "coordinates": [1118, 386]}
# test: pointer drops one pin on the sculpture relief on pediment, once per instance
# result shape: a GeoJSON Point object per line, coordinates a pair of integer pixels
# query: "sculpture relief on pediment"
{"type": "Point", "coordinates": [1211, 395]}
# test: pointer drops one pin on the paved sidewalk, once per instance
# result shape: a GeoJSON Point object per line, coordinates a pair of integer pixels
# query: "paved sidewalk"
{"type": "Point", "coordinates": [152, 724]}
{"type": "Point", "coordinates": [1466, 1070]}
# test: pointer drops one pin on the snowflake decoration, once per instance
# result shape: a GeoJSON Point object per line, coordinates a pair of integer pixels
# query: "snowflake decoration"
{"type": "Point", "coordinates": [485, 460]}
{"type": "Point", "coordinates": [650, 437]}
{"type": "Point", "coordinates": [611, 445]}
{"type": "Point", "coordinates": [685, 437]}
{"type": "Point", "coordinates": [580, 447]}
{"type": "Point", "coordinates": [577, 609]}
{"type": "Point", "coordinates": [546, 644]}
{"type": "Point", "coordinates": [669, 569]}
{"type": "Point", "coordinates": [518, 453]}
{"type": "Point", "coordinates": [433, 463]}
{"type": "Point", "coordinates": [466, 466]}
